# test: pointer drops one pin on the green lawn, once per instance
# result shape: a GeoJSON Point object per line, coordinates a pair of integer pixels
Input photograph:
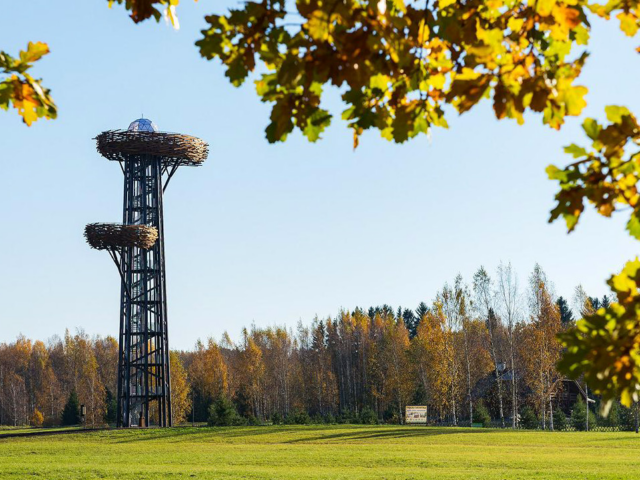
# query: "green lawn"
{"type": "Point", "coordinates": [345, 452]}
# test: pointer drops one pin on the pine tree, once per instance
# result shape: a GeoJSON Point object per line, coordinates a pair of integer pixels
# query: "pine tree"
{"type": "Point", "coordinates": [71, 412]}
{"type": "Point", "coordinates": [579, 416]}
{"type": "Point", "coordinates": [223, 413]}
{"type": "Point", "coordinates": [112, 408]}
{"type": "Point", "coordinates": [410, 321]}
{"type": "Point", "coordinates": [566, 315]}
{"type": "Point", "coordinates": [421, 311]}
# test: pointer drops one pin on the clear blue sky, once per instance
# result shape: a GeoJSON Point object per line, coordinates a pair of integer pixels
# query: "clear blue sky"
{"type": "Point", "coordinates": [264, 233]}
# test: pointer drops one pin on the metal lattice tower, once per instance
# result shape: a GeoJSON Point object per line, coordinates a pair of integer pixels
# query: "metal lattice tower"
{"type": "Point", "coordinates": [148, 160]}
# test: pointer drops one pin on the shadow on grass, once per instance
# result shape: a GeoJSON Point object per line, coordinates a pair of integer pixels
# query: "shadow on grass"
{"type": "Point", "coordinates": [386, 432]}
{"type": "Point", "coordinates": [304, 434]}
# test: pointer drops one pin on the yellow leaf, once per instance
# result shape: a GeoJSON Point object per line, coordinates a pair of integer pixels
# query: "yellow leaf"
{"type": "Point", "coordinates": [436, 81]}
{"type": "Point", "coordinates": [380, 82]}
{"type": "Point", "coordinates": [318, 25]}
{"type": "Point", "coordinates": [515, 24]}
{"type": "Point", "coordinates": [574, 100]}
{"type": "Point", "coordinates": [34, 52]}
{"type": "Point", "coordinates": [545, 7]}
{"type": "Point", "coordinates": [628, 23]}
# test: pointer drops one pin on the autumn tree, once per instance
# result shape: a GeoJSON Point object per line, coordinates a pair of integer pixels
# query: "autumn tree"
{"type": "Point", "coordinates": [508, 304]}
{"type": "Point", "coordinates": [180, 402]}
{"type": "Point", "coordinates": [105, 350]}
{"type": "Point", "coordinates": [429, 355]}
{"type": "Point", "coordinates": [397, 370]}
{"type": "Point", "coordinates": [208, 375]}
{"type": "Point", "coordinates": [542, 346]}
{"type": "Point", "coordinates": [485, 305]}
{"type": "Point", "coordinates": [320, 388]}
{"type": "Point", "coordinates": [251, 375]}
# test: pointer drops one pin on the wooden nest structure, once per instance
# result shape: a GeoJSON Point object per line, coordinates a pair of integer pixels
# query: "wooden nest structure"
{"type": "Point", "coordinates": [113, 236]}
{"type": "Point", "coordinates": [174, 148]}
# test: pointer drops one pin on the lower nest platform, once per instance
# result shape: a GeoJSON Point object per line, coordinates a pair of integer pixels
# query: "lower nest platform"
{"type": "Point", "coordinates": [109, 236]}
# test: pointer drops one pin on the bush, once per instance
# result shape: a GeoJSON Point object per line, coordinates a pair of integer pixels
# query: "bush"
{"type": "Point", "coordinates": [300, 417]}
{"type": "Point", "coordinates": [529, 419]}
{"type": "Point", "coordinates": [37, 419]}
{"type": "Point", "coordinates": [346, 417]}
{"type": "Point", "coordinates": [329, 419]}
{"type": "Point", "coordinates": [253, 421]}
{"type": "Point", "coordinates": [71, 412]}
{"type": "Point", "coordinates": [223, 413]}
{"type": "Point", "coordinates": [579, 416]}
{"type": "Point", "coordinates": [368, 416]}
{"type": "Point", "coordinates": [559, 420]}
{"type": "Point", "coordinates": [317, 419]}
{"type": "Point", "coordinates": [276, 419]}
{"type": "Point", "coordinates": [481, 414]}
{"type": "Point", "coordinates": [614, 419]}
{"type": "Point", "coordinates": [627, 418]}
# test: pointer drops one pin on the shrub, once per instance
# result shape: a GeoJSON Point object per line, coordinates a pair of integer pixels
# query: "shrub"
{"type": "Point", "coordinates": [368, 416]}
{"type": "Point", "coordinates": [393, 420]}
{"type": "Point", "coordinates": [37, 419]}
{"type": "Point", "coordinates": [579, 416]}
{"type": "Point", "coordinates": [301, 417]}
{"type": "Point", "coordinates": [627, 418]}
{"type": "Point", "coordinates": [317, 419]}
{"type": "Point", "coordinates": [253, 421]}
{"type": "Point", "coordinates": [71, 412]}
{"type": "Point", "coordinates": [276, 418]}
{"type": "Point", "coordinates": [529, 419]}
{"type": "Point", "coordinates": [329, 419]}
{"type": "Point", "coordinates": [614, 419]}
{"type": "Point", "coordinates": [346, 417]}
{"type": "Point", "coordinates": [559, 420]}
{"type": "Point", "coordinates": [223, 413]}
{"type": "Point", "coordinates": [481, 414]}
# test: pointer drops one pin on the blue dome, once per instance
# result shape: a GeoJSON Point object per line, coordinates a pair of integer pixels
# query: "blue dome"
{"type": "Point", "coordinates": [143, 125]}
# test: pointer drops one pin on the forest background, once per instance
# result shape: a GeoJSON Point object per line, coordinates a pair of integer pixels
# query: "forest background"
{"type": "Point", "coordinates": [479, 352]}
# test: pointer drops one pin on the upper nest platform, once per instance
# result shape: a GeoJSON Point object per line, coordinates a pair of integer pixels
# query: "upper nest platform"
{"type": "Point", "coordinates": [109, 236]}
{"type": "Point", "coordinates": [173, 148]}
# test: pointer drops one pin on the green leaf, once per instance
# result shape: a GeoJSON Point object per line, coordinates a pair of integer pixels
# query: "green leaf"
{"type": "Point", "coordinates": [591, 128]}
{"type": "Point", "coordinates": [615, 113]}
{"type": "Point", "coordinates": [633, 226]}
{"type": "Point", "coordinates": [575, 151]}
{"type": "Point", "coordinates": [554, 173]}
{"type": "Point", "coordinates": [317, 124]}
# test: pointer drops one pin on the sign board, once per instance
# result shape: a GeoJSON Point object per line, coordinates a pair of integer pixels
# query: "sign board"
{"type": "Point", "coordinates": [416, 414]}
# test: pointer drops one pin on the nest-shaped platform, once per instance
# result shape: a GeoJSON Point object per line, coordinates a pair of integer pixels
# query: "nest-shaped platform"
{"type": "Point", "coordinates": [173, 148]}
{"type": "Point", "coordinates": [109, 236]}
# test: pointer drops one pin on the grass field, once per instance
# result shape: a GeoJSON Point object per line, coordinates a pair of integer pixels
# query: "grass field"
{"type": "Point", "coordinates": [353, 452]}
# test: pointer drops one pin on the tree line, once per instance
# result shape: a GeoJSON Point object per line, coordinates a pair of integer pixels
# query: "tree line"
{"type": "Point", "coordinates": [483, 349]}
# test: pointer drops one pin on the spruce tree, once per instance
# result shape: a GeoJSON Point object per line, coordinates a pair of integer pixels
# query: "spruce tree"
{"type": "Point", "coordinates": [71, 412]}
{"type": "Point", "coordinates": [112, 408]}
{"type": "Point", "coordinates": [579, 416]}
{"type": "Point", "coordinates": [566, 315]}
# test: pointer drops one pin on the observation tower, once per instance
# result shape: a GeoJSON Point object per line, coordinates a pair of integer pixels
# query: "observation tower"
{"type": "Point", "coordinates": [148, 159]}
